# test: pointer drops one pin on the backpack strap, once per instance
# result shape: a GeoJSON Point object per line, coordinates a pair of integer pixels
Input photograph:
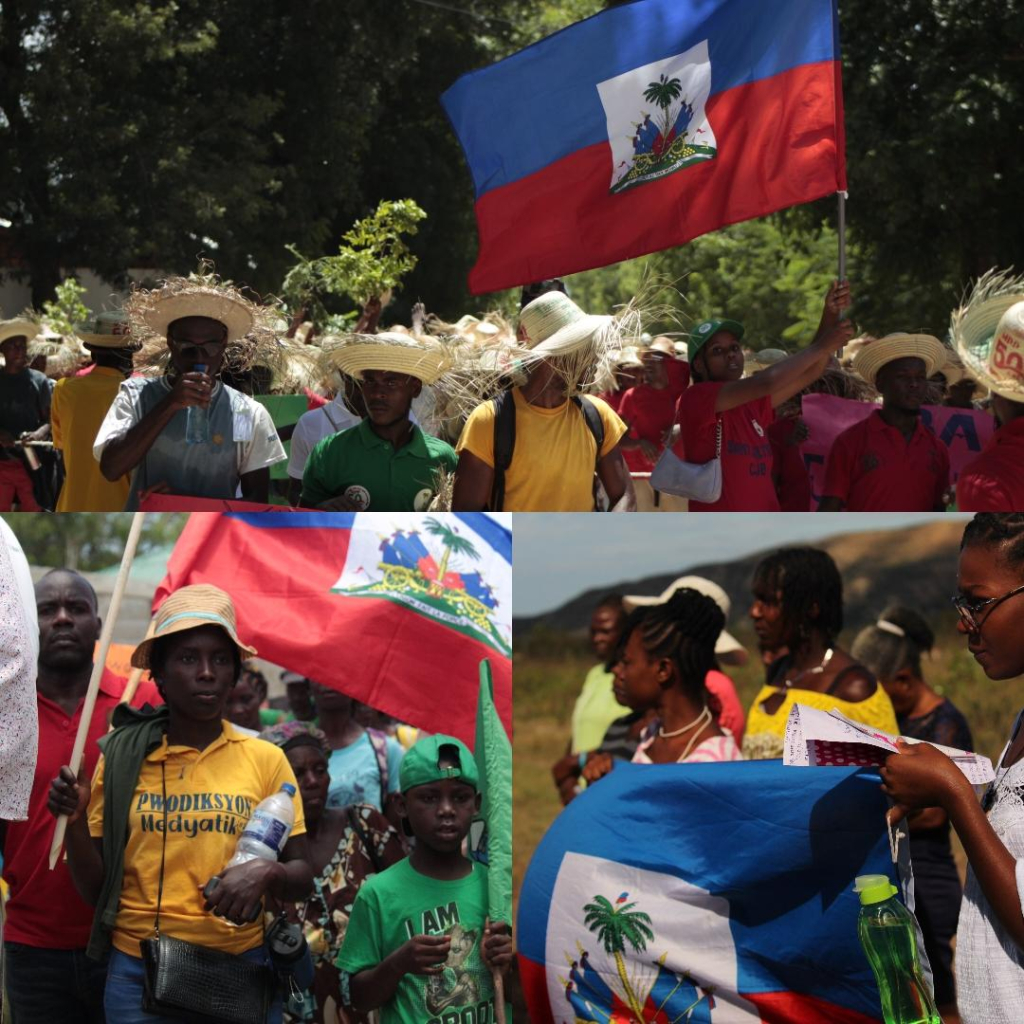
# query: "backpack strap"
{"type": "Point", "coordinates": [594, 423]}
{"type": "Point", "coordinates": [504, 445]}
{"type": "Point", "coordinates": [352, 813]}
{"type": "Point", "coordinates": [379, 742]}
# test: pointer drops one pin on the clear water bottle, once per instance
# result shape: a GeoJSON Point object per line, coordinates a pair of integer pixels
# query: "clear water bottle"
{"type": "Point", "coordinates": [268, 828]}
{"type": "Point", "coordinates": [889, 938]}
{"type": "Point", "coordinates": [197, 419]}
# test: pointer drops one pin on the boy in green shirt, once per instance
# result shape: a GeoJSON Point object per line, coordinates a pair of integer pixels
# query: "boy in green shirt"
{"type": "Point", "coordinates": [416, 945]}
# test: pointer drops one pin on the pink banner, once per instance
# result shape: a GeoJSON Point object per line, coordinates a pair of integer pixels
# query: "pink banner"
{"type": "Point", "coordinates": [963, 431]}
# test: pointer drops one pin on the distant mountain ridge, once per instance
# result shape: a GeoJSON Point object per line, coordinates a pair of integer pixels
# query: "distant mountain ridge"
{"type": "Point", "coordinates": [915, 565]}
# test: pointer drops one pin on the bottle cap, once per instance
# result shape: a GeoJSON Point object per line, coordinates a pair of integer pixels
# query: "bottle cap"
{"type": "Point", "coordinates": [288, 788]}
{"type": "Point", "coordinates": [874, 889]}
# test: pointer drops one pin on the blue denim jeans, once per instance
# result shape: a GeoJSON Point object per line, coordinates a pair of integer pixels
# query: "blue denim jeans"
{"type": "Point", "coordinates": [53, 986]}
{"type": "Point", "coordinates": [123, 999]}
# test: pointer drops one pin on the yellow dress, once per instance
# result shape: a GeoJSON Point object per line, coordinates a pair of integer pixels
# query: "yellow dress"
{"type": "Point", "coordinates": [765, 733]}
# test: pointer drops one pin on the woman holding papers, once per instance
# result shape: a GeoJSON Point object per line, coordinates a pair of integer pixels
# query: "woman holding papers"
{"type": "Point", "coordinates": [798, 613]}
{"type": "Point", "coordinates": [990, 935]}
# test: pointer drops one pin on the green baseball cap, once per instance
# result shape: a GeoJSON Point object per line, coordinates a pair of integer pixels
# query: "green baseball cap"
{"type": "Point", "coordinates": [420, 764]}
{"type": "Point", "coordinates": [706, 330]}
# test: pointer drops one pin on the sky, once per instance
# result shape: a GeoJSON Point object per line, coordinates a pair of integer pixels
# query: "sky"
{"type": "Point", "coordinates": [556, 557]}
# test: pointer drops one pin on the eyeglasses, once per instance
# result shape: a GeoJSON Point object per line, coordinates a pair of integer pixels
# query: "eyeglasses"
{"type": "Point", "coordinates": [189, 351]}
{"type": "Point", "coordinates": [968, 608]}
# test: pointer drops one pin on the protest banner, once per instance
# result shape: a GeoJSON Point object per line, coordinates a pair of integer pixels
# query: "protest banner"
{"type": "Point", "coordinates": [645, 126]}
{"type": "Point", "coordinates": [382, 606]}
{"type": "Point", "coordinates": [963, 431]}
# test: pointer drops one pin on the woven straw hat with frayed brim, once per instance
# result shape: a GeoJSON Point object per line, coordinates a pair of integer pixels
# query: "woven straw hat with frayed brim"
{"type": "Point", "coordinates": [556, 326]}
{"type": "Point", "coordinates": [201, 300]}
{"type": "Point", "coordinates": [106, 330]}
{"type": "Point", "coordinates": [190, 608]}
{"type": "Point", "coordinates": [388, 351]}
{"type": "Point", "coordinates": [975, 330]}
{"type": "Point", "coordinates": [875, 354]}
{"type": "Point", "coordinates": [726, 645]}
{"type": "Point", "coordinates": [17, 329]}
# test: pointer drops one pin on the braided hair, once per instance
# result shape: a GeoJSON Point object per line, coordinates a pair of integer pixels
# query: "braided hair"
{"type": "Point", "coordinates": [1004, 530]}
{"type": "Point", "coordinates": [894, 643]}
{"type": "Point", "coordinates": [805, 577]}
{"type": "Point", "coordinates": [684, 629]}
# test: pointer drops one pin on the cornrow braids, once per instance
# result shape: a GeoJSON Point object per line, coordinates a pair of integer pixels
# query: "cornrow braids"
{"type": "Point", "coordinates": [805, 577]}
{"type": "Point", "coordinates": [1004, 530]}
{"type": "Point", "coordinates": [684, 629]}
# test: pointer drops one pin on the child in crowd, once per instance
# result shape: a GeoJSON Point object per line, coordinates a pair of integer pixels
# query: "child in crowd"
{"type": "Point", "coordinates": [418, 945]}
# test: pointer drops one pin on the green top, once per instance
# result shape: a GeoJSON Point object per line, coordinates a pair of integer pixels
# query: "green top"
{"type": "Point", "coordinates": [372, 474]}
{"type": "Point", "coordinates": [399, 903]}
{"type": "Point", "coordinates": [596, 708]}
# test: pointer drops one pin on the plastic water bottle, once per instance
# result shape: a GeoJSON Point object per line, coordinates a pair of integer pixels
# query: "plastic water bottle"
{"type": "Point", "coordinates": [889, 938]}
{"type": "Point", "coordinates": [268, 828]}
{"type": "Point", "coordinates": [197, 419]}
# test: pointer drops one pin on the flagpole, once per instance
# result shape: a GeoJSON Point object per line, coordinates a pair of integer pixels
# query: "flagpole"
{"type": "Point", "coordinates": [97, 670]}
{"type": "Point", "coordinates": [842, 235]}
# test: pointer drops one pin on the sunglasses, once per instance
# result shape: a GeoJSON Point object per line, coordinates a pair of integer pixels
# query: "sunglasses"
{"type": "Point", "coordinates": [969, 608]}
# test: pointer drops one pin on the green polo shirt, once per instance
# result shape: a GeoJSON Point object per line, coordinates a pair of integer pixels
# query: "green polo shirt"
{"type": "Point", "coordinates": [372, 474]}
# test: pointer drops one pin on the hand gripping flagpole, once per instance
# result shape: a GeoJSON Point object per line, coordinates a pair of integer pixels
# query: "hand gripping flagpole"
{"type": "Point", "coordinates": [97, 670]}
{"type": "Point", "coordinates": [842, 244]}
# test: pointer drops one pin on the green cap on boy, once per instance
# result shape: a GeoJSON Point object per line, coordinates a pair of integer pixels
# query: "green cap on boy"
{"type": "Point", "coordinates": [421, 763]}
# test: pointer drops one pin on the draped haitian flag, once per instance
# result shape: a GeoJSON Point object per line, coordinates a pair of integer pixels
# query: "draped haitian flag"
{"type": "Point", "coordinates": [395, 609]}
{"type": "Point", "coordinates": [722, 891]}
{"type": "Point", "coordinates": [645, 126]}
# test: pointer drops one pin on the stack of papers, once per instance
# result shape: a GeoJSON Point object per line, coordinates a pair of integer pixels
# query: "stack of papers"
{"type": "Point", "coordinates": [829, 738]}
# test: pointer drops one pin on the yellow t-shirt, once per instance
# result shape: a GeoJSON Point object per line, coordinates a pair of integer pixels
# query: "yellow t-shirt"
{"type": "Point", "coordinates": [210, 797]}
{"type": "Point", "coordinates": [552, 468]}
{"type": "Point", "coordinates": [765, 733]}
{"type": "Point", "coordinates": [77, 409]}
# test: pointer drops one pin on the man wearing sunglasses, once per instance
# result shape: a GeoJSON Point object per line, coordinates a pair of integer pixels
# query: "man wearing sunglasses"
{"type": "Point", "coordinates": [386, 463]}
{"type": "Point", "coordinates": [145, 432]}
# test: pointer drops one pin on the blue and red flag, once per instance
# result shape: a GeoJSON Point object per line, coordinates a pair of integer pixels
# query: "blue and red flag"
{"type": "Point", "coordinates": [705, 893]}
{"type": "Point", "coordinates": [645, 126]}
{"type": "Point", "coordinates": [394, 609]}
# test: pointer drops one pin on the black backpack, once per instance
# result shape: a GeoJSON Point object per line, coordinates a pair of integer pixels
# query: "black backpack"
{"type": "Point", "coordinates": [505, 438]}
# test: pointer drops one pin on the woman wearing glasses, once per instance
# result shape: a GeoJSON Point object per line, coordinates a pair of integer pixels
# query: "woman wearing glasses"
{"type": "Point", "coordinates": [990, 936]}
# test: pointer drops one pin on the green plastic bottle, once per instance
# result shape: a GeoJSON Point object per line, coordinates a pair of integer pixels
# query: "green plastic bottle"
{"type": "Point", "coordinates": [889, 938]}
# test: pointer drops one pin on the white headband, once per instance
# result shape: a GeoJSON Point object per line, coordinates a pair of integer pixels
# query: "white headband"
{"type": "Point", "coordinates": [891, 627]}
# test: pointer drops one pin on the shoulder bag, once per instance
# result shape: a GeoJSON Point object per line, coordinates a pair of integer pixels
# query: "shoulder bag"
{"type": "Point", "coordinates": [699, 481]}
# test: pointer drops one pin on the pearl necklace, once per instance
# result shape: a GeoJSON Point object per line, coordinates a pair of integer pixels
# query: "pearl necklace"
{"type": "Point", "coordinates": [703, 718]}
{"type": "Point", "coordinates": [811, 671]}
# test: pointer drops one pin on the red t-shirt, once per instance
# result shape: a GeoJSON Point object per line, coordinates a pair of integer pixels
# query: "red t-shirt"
{"type": "Point", "coordinates": [873, 468]}
{"type": "Point", "coordinates": [994, 481]}
{"type": "Point", "coordinates": [45, 909]}
{"type": "Point", "coordinates": [650, 413]}
{"type": "Point", "coordinates": [732, 716]}
{"type": "Point", "coordinates": [746, 451]}
{"type": "Point", "coordinates": [612, 399]}
{"type": "Point", "coordinates": [792, 484]}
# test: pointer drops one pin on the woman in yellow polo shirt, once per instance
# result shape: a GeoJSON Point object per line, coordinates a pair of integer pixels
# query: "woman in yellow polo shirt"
{"type": "Point", "coordinates": [184, 772]}
{"type": "Point", "coordinates": [798, 611]}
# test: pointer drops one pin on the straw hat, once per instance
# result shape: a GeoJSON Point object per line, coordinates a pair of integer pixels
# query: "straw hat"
{"type": "Point", "coordinates": [189, 608]}
{"type": "Point", "coordinates": [988, 331]}
{"type": "Point", "coordinates": [425, 360]}
{"type": "Point", "coordinates": [660, 347]}
{"type": "Point", "coordinates": [107, 330]}
{"type": "Point", "coordinates": [556, 326]}
{"type": "Point", "coordinates": [766, 357]}
{"type": "Point", "coordinates": [874, 355]}
{"type": "Point", "coordinates": [17, 329]}
{"type": "Point", "coordinates": [225, 306]}
{"type": "Point", "coordinates": [727, 646]}
{"type": "Point", "coordinates": [629, 358]}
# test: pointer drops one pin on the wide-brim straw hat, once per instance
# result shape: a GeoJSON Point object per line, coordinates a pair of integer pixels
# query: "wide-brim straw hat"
{"type": "Point", "coordinates": [988, 331]}
{"type": "Point", "coordinates": [555, 326]}
{"type": "Point", "coordinates": [629, 358]}
{"type": "Point", "coordinates": [189, 608]}
{"type": "Point", "coordinates": [727, 646]}
{"type": "Point", "coordinates": [661, 346]}
{"type": "Point", "coordinates": [107, 330]}
{"type": "Point", "coordinates": [233, 311]}
{"type": "Point", "coordinates": [425, 359]}
{"type": "Point", "coordinates": [17, 328]}
{"type": "Point", "coordinates": [874, 355]}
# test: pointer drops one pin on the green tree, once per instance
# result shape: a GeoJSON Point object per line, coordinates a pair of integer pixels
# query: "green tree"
{"type": "Point", "coordinates": [453, 545]}
{"type": "Point", "coordinates": [614, 927]}
{"type": "Point", "coordinates": [664, 92]}
{"type": "Point", "coordinates": [67, 311]}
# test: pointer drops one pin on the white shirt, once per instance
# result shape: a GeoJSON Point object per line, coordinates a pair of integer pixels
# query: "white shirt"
{"type": "Point", "coordinates": [19, 647]}
{"type": "Point", "coordinates": [314, 426]}
{"type": "Point", "coordinates": [989, 966]}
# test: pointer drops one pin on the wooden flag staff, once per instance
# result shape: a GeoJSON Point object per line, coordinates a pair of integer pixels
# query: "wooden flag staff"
{"type": "Point", "coordinates": [97, 670]}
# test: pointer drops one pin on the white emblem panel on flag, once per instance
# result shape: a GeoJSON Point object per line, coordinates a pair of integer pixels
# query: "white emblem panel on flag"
{"type": "Point", "coordinates": [655, 117]}
{"type": "Point", "coordinates": [687, 956]}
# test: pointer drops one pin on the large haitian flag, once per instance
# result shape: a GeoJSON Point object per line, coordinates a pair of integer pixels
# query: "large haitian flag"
{"type": "Point", "coordinates": [645, 126]}
{"type": "Point", "coordinates": [712, 893]}
{"type": "Point", "coordinates": [395, 609]}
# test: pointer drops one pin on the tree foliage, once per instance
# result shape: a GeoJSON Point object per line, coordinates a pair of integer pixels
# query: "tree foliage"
{"type": "Point", "coordinates": [65, 313]}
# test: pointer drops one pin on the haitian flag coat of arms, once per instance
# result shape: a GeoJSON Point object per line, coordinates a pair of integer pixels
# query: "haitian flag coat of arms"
{"type": "Point", "coordinates": [645, 126]}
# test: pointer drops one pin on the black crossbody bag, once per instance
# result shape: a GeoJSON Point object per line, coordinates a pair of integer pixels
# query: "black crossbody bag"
{"type": "Point", "coordinates": [190, 982]}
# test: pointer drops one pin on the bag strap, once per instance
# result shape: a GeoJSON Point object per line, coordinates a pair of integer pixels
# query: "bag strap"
{"type": "Point", "coordinates": [718, 438]}
{"type": "Point", "coordinates": [504, 445]}
{"type": "Point", "coordinates": [594, 423]}
{"type": "Point", "coordinates": [371, 852]}
{"type": "Point", "coordinates": [163, 846]}
{"type": "Point", "coordinates": [380, 748]}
